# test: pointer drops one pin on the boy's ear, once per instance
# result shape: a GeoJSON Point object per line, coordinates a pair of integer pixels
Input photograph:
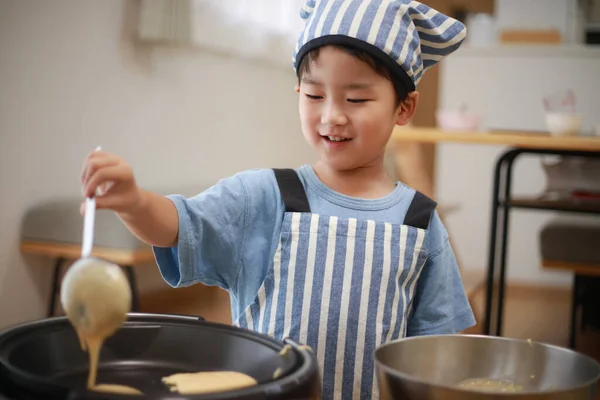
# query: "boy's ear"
{"type": "Point", "coordinates": [297, 88]}
{"type": "Point", "coordinates": [407, 109]}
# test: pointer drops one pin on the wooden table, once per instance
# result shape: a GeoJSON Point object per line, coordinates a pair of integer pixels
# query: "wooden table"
{"type": "Point", "coordinates": [63, 252]}
{"type": "Point", "coordinates": [518, 143]}
{"type": "Point", "coordinates": [525, 140]}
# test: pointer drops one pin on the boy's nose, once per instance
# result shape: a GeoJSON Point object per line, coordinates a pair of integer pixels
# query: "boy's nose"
{"type": "Point", "coordinates": [333, 115]}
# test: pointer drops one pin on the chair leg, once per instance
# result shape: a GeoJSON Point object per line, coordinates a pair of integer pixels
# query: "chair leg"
{"type": "Point", "coordinates": [55, 286]}
{"type": "Point", "coordinates": [581, 300]}
{"type": "Point", "coordinates": [135, 299]}
{"type": "Point", "coordinates": [574, 308]}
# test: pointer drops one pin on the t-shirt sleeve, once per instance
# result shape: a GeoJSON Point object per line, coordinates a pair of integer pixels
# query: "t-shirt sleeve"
{"type": "Point", "coordinates": [440, 305]}
{"type": "Point", "coordinates": [212, 230]}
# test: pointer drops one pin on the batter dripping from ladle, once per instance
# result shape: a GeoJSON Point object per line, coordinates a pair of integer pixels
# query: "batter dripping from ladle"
{"type": "Point", "coordinates": [96, 297]}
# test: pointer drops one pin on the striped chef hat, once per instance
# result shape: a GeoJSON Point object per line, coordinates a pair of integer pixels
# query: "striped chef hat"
{"type": "Point", "coordinates": [407, 36]}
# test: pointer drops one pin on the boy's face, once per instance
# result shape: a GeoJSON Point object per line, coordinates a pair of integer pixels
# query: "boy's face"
{"type": "Point", "coordinates": [348, 110]}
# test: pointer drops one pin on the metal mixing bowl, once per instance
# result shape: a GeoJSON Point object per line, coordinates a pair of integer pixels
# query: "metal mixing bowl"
{"type": "Point", "coordinates": [431, 367]}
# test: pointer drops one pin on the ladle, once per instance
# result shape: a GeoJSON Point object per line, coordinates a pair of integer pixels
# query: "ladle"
{"type": "Point", "coordinates": [95, 293]}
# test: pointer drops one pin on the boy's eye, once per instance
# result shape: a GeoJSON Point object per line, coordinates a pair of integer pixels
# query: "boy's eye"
{"type": "Point", "coordinates": [358, 100]}
{"type": "Point", "coordinates": [312, 97]}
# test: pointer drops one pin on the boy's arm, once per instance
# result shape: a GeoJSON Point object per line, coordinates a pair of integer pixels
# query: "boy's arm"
{"type": "Point", "coordinates": [211, 236]}
{"type": "Point", "coordinates": [155, 221]}
{"type": "Point", "coordinates": [197, 239]}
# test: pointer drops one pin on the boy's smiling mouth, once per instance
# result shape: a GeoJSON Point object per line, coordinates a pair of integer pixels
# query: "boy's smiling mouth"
{"type": "Point", "coordinates": [336, 138]}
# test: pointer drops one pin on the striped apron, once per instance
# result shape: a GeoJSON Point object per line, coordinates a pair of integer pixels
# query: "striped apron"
{"type": "Point", "coordinates": [342, 286]}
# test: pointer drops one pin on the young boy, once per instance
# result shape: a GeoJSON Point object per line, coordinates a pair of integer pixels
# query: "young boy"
{"type": "Point", "coordinates": [335, 255]}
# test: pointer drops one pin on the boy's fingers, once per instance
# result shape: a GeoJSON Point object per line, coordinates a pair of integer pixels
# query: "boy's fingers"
{"type": "Point", "coordinates": [108, 176]}
{"type": "Point", "coordinates": [106, 202]}
{"type": "Point", "coordinates": [95, 165]}
{"type": "Point", "coordinates": [101, 203]}
{"type": "Point", "coordinates": [95, 161]}
{"type": "Point", "coordinates": [104, 188]}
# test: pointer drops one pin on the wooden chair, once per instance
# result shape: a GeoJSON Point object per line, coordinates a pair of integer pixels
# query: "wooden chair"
{"type": "Point", "coordinates": [583, 275]}
{"type": "Point", "coordinates": [571, 248]}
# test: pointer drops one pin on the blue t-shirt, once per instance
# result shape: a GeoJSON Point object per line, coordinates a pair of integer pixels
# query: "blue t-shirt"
{"type": "Point", "coordinates": [229, 233]}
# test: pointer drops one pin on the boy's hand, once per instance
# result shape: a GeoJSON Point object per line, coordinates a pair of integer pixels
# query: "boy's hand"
{"type": "Point", "coordinates": [111, 178]}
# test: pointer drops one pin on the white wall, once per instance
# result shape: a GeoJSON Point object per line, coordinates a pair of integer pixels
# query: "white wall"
{"type": "Point", "coordinates": [506, 87]}
{"type": "Point", "coordinates": [561, 15]}
{"type": "Point", "coordinates": [70, 79]}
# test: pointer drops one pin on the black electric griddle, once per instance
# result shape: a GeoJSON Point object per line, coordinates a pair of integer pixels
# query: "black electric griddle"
{"type": "Point", "coordinates": [43, 360]}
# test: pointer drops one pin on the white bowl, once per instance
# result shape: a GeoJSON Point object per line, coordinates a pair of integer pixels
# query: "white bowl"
{"type": "Point", "coordinates": [457, 121]}
{"type": "Point", "coordinates": [563, 124]}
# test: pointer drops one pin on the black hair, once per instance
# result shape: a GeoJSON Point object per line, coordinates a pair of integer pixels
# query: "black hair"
{"type": "Point", "coordinates": [375, 63]}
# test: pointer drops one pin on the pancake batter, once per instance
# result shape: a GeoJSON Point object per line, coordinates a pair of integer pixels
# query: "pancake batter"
{"type": "Point", "coordinates": [96, 297]}
{"type": "Point", "coordinates": [208, 382]}
{"type": "Point", "coordinates": [490, 385]}
{"type": "Point", "coordinates": [94, 344]}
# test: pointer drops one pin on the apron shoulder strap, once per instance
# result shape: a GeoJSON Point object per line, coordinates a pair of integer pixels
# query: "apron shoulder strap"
{"type": "Point", "coordinates": [292, 191]}
{"type": "Point", "coordinates": [420, 211]}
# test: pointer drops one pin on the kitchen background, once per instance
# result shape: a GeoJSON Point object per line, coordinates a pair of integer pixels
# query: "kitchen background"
{"type": "Point", "coordinates": [76, 74]}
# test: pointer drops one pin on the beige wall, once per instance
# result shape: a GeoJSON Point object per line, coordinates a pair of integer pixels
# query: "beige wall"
{"type": "Point", "coordinates": [70, 82]}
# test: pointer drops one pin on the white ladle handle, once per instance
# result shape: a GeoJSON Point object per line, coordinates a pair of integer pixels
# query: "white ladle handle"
{"type": "Point", "coordinates": [88, 224]}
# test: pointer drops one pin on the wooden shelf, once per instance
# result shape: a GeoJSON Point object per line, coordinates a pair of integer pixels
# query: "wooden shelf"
{"type": "Point", "coordinates": [530, 51]}
{"type": "Point", "coordinates": [70, 251]}
{"type": "Point", "coordinates": [578, 268]}
{"type": "Point", "coordinates": [530, 140]}
{"type": "Point", "coordinates": [579, 206]}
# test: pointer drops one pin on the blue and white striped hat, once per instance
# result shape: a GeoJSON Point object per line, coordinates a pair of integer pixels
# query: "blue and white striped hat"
{"type": "Point", "coordinates": [407, 36]}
